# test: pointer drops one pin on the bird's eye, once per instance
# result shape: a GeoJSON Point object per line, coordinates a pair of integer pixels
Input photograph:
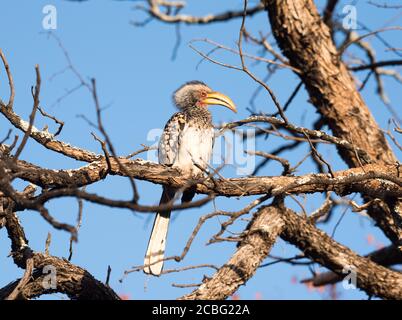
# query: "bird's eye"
{"type": "Point", "coordinates": [203, 94]}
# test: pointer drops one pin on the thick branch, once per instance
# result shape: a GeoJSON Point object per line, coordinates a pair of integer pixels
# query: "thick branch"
{"type": "Point", "coordinates": [316, 245]}
{"type": "Point", "coordinates": [261, 236]}
{"type": "Point", "coordinates": [306, 41]}
{"type": "Point", "coordinates": [374, 180]}
{"type": "Point", "coordinates": [372, 278]}
{"type": "Point", "coordinates": [47, 139]}
{"type": "Point", "coordinates": [75, 282]}
{"type": "Point", "coordinates": [387, 256]}
{"type": "Point", "coordinates": [72, 280]}
{"type": "Point", "coordinates": [331, 87]}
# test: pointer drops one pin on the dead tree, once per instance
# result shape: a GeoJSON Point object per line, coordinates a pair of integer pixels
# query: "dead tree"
{"type": "Point", "coordinates": [308, 49]}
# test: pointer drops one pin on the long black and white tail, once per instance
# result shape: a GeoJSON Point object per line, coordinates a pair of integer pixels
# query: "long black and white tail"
{"type": "Point", "coordinates": [157, 241]}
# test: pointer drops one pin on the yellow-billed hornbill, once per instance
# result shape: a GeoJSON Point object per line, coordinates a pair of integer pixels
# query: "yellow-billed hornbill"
{"type": "Point", "coordinates": [186, 143]}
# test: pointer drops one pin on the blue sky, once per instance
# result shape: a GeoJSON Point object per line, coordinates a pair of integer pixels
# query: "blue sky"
{"type": "Point", "coordinates": [135, 77]}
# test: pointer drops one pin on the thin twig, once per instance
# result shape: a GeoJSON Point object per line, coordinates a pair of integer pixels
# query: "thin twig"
{"type": "Point", "coordinates": [27, 133]}
{"type": "Point", "coordinates": [24, 280]}
{"type": "Point", "coordinates": [245, 69]}
{"type": "Point", "coordinates": [10, 80]}
{"type": "Point", "coordinates": [59, 122]}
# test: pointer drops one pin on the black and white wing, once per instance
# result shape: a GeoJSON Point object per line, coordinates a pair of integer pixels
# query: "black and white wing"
{"type": "Point", "coordinates": [168, 151]}
{"type": "Point", "coordinates": [169, 142]}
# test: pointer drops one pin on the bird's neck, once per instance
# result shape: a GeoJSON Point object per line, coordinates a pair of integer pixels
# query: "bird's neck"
{"type": "Point", "coordinates": [199, 113]}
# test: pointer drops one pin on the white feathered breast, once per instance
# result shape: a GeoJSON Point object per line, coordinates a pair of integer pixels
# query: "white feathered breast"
{"type": "Point", "coordinates": [185, 143]}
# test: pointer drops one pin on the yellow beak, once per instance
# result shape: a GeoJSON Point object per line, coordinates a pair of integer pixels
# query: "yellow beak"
{"type": "Point", "coordinates": [220, 99]}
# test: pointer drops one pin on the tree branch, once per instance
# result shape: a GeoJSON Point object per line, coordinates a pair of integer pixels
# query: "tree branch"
{"type": "Point", "coordinates": [386, 256]}
{"type": "Point", "coordinates": [310, 48]}
{"type": "Point", "coordinates": [261, 236]}
{"type": "Point", "coordinates": [372, 278]}
{"type": "Point", "coordinates": [72, 280]}
{"type": "Point", "coordinates": [154, 11]}
{"type": "Point", "coordinates": [372, 179]}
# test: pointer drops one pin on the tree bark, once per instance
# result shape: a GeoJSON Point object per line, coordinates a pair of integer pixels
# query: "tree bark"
{"type": "Point", "coordinates": [306, 41]}
{"type": "Point", "coordinates": [386, 257]}
{"type": "Point", "coordinates": [374, 279]}
{"type": "Point", "coordinates": [262, 233]}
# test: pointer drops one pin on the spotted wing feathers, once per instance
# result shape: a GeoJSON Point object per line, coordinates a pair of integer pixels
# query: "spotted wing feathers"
{"type": "Point", "coordinates": [169, 143]}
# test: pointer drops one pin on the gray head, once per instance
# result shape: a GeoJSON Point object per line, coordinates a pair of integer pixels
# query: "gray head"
{"type": "Point", "coordinates": [190, 93]}
{"type": "Point", "coordinates": [198, 94]}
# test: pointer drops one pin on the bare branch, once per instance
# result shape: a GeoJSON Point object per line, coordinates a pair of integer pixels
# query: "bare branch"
{"type": "Point", "coordinates": [154, 11]}
{"type": "Point", "coordinates": [263, 231]}
{"type": "Point", "coordinates": [347, 181]}
{"type": "Point", "coordinates": [386, 256]}
{"type": "Point", "coordinates": [23, 281]}
{"type": "Point", "coordinates": [372, 278]}
{"type": "Point", "coordinates": [27, 133]}
{"type": "Point", "coordinates": [376, 65]}
{"type": "Point", "coordinates": [10, 80]}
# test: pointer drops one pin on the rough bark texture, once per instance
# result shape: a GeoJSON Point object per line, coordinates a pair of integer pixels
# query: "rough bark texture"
{"type": "Point", "coordinates": [72, 280]}
{"type": "Point", "coordinates": [372, 278]}
{"type": "Point", "coordinates": [387, 179]}
{"type": "Point", "coordinates": [386, 256]}
{"type": "Point", "coordinates": [306, 41]}
{"type": "Point", "coordinates": [47, 139]}
{"type": "Point", "coordinates": [261, 236]}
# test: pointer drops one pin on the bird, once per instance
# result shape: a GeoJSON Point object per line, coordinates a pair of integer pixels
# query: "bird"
{"type": "Point", "coordinates": [186, 143]}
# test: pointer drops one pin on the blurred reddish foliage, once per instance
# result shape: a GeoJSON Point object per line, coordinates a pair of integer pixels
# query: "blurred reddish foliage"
{"type": "Point", "coordinates": [235, 296]}
{"type": "Point", "coordinates": [372, 241]}
{"type": "Point", "coordinates": [329, 290]}
{"type": "Point", "coordinates": [125, 296]}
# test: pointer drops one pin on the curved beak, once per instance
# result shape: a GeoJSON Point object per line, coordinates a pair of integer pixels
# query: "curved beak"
{"type": "Point", "coordinates": [217, 98]}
